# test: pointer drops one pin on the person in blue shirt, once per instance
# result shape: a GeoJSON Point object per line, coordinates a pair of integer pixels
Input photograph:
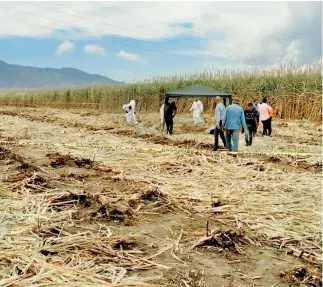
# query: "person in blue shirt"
{"type": "Point", "coordinates": [234, 121]}
{"type": "Point", "coordinates": [219, 130]}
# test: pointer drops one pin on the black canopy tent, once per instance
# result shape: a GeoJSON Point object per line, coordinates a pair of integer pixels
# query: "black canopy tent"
{"type": "Point", "coordinates": [194, 91]}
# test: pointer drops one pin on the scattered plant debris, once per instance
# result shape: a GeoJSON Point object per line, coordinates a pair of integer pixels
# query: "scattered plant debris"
{"type": "Point", "coordinates": [303, 275]}
{"type": "Point", "coordinates": [192, 278]}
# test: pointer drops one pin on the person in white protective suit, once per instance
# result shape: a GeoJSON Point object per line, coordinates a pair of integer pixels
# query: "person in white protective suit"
{"type": "Point", "coordinates": [197, 109]}
{"type": "Point", "coordinates": [200, 105]}
{"type": "Point", "coordinates": [130, 112]}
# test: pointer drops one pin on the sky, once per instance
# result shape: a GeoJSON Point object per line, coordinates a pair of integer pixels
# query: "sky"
{"type": "Point", "coordinates": [130, 41]}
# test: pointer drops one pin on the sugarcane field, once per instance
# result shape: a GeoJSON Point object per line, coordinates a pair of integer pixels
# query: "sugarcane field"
{"type": "Point", "coordinates": [161, 144]}
{"type": "Point", "coordinates": [90, 200]}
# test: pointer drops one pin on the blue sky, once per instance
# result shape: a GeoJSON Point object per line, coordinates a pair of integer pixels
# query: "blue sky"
{"type": "Point", "coordinates": [115, 39]}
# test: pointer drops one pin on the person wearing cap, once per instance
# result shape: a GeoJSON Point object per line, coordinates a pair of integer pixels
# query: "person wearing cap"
{"type": "Point", "coordinates": [219, 117]}
{"type": "Point", "coordinates": [234, 120]}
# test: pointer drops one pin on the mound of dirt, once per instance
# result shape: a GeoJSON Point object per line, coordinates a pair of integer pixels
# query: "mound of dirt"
{"type": "Point", "coordinates": [93, 207]}
{"type": "Point", "coordinates": [303, 275]}
{"type": "Point", "coordinates": [57, 160]}
{"type": "Point", "coordinates": [153, 195]}
{"type": "Point", "coordinates": [274, 159]}
{"type": "Point", "coordinates": [229, 239]}
{"type": "Point", "coordinates": [114, 211]}
{"type": "Point", "coordinates": [37, 179]}
{"type": "Point", "coordinates": [24, 168]}
{"type": "Point", "coordinates": [68, 201]}
{"type": "Point", "coordinates": [224, 240]}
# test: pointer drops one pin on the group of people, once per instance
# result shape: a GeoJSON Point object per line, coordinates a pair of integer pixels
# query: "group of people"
{"type": "Point", "coordinates": [230, 121]}
{"type": "Point", "coordinates": [168, 113]}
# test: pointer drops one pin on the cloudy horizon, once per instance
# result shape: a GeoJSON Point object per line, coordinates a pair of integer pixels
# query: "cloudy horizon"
{"type": "Point", "coordinates": [136, 40]}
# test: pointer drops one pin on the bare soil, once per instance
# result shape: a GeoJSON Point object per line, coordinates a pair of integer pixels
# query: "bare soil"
{"type": "Point", "coordinates": [177, 219]}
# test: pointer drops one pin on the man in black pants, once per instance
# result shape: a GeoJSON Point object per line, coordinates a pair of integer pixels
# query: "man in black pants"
{"type": "Point", "coordinates": [267, 127]}
{"type": "Point", "coordinates": [255, 109]}
{"type": "Point", "coordinates": [219, 130]}
{"type": "Point", "coordinates": [170, 112]}
{"type": "Point", "coordinates": [251, 122]}
{"type": "Point", "coordinates": [265, 112]}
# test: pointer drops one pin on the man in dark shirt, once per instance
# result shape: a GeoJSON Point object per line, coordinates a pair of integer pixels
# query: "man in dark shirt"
{"type": "Point", "coordinates": [170, 112]}
{"type": "Point", "coordinates": [251, 122]}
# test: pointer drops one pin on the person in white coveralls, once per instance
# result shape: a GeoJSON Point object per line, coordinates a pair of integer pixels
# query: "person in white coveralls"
{"type": "Point", "coordinates": [130, 112]}
{"type": "Point", "coordinates": [197, 109]}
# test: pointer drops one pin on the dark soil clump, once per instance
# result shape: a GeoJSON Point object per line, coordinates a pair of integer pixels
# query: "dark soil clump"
{"type": "Point", "coordinates": [115, 212]}
{"type": "Point", "coordinates": [124, 245]}
{"type": "Point", "coordinates": [153, 195]}
{"type": "Point", "coordinates": [67, 201]}
{"type": "Point", "coordinates": [224, 240]}
{"type": "Point", "coordinates": [58, 160]}
{"type": "Point", "coordinates": [302, 275]}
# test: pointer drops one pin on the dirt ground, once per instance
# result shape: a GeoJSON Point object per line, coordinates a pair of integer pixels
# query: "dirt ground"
{"type": "Point", "coordinates": [89, 201]}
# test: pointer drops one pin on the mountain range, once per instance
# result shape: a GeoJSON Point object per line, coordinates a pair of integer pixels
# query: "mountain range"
{"type": "Point", "coordinates": [23, 77]}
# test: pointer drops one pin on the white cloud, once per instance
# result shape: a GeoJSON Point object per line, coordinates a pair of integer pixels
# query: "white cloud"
{"type": "Point", "coordinates": [286, 31]}
{"type": "Point", "coordinates": [65, 47]}
{"type": "Point", "coordinates": [240, 32]}
{"type": "Point", "coordinates": [128, 56]}
{"type": "Point", "coordinates": [94, 49]}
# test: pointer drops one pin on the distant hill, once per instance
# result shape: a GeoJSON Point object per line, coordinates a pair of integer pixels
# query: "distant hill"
{"type": "Point", "coordinates": [23, 77]}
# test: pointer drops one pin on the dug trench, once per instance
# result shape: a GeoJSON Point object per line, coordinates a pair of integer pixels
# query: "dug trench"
{"type": "Point", "coordinates": [165, 231]}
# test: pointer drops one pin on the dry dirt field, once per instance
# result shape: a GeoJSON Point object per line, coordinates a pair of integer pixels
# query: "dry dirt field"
{"type": "Point", "coordinates": [89, 201]}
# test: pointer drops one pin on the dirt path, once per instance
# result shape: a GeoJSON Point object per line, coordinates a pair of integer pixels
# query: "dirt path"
{"type": "Point", "coordinates": [274, 201]}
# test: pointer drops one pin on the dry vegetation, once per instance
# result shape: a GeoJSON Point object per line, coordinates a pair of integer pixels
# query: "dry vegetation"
{"type": "Point", "coordinates": [294, 91]}
{"type": "Point", "coordinates": [77, 210]}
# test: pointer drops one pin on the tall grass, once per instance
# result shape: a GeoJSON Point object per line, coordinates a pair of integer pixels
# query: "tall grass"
{"type": "Point", "coordinates": [294, 91]}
